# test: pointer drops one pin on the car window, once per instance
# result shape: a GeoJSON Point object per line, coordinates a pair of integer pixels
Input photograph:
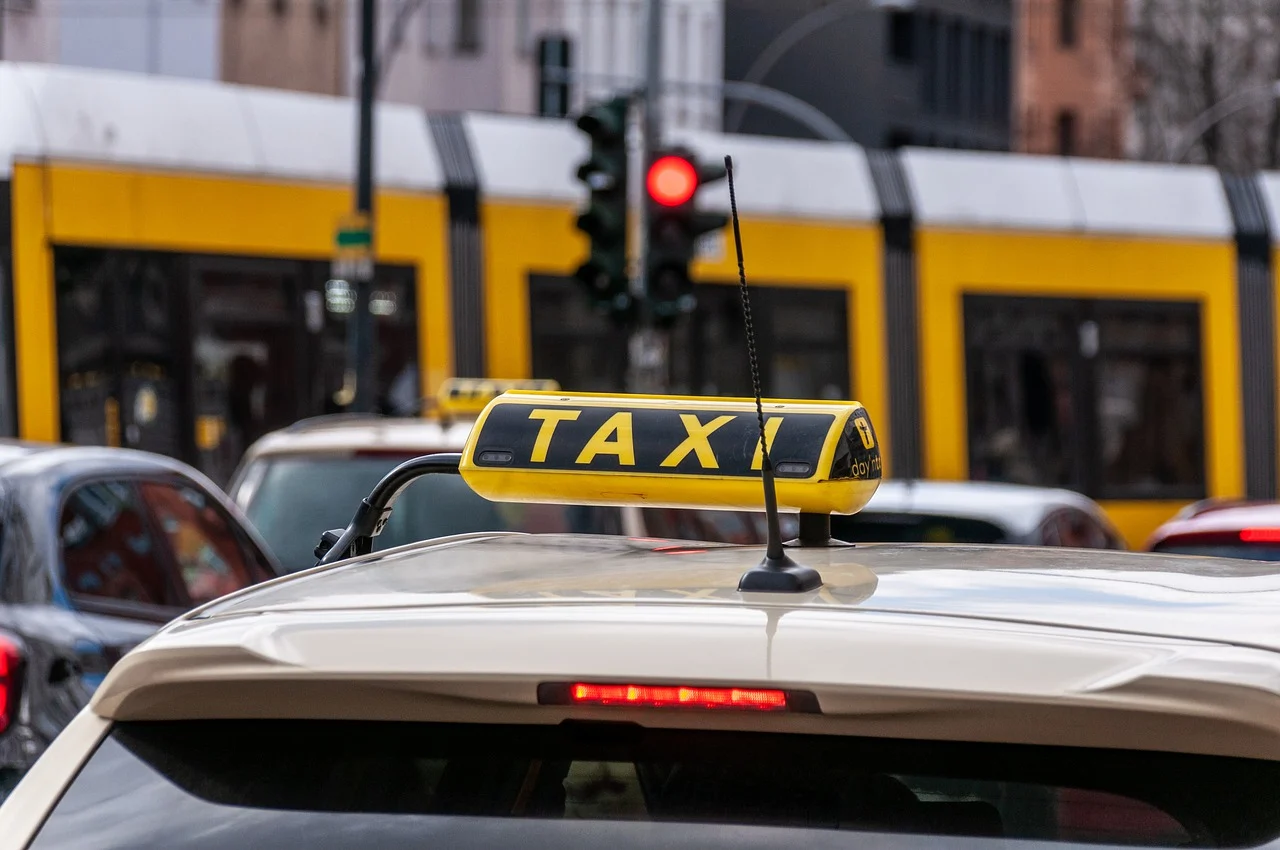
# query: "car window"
{"type": "Point", "coordinates": [263, 783]}
{"type": "Point", "coordinates": [1074, 529]}
{"type": "Point", "coordinates": [887, 527]}
{"type": "Point", "coordinates": [301, 496]}
{"type": "Point", "coordinates": [109, 550]}
{"type": "Point", "coordinates": [210, 557]}
{"type": "Point", "coordinates": [1246, 551]}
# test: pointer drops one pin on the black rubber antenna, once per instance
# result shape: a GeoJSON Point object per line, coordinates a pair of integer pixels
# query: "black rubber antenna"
{"type": "Point", "coordinates": [776, 573]}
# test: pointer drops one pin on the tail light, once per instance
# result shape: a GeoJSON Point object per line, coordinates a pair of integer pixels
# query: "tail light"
{"type": "Point", "coordinates": [1260, 535]}
{"type": "Point", "coordinates": [676, 696]}
{"type": "Point", "coordinates": [10, 670]}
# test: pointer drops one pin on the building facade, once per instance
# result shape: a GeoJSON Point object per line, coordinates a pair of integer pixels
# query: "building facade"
{"type": "Point", "coordinates": [178, 38]}
{"type": "Point", "coordinates": [289, 44]}
{"type": "Point", "coordinates": [890, 73]}
{"type": "Point", "coordinates": [1072, 87]}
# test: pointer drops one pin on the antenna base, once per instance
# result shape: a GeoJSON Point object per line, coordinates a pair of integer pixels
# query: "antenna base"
{"type": "Point", "coordinates": [779, 575]}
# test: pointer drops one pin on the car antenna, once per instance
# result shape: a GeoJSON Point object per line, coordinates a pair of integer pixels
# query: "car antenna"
{"type": "Point", "coordinates": [776, 573]}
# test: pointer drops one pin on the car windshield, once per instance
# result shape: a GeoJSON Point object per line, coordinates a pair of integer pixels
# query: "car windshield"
{"type": "Point", "coordinates": [885, 527]}
{"type": "Point", "coordinates": [347, 784]}
{"type": "Point", "coordinates": [299, 497]}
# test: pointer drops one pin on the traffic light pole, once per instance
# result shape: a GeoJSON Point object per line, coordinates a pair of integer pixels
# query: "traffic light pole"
{"type": "Point", "coordinates": [360, 327]}
{"type": "Point", "coordinates": [649, 346]}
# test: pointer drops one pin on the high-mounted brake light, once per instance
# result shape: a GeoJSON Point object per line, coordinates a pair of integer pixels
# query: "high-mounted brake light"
{"type": "Point", "coordinates": [676, 696]}
{"type": "Point", "coordinates": [1260, 535]}
{"type": "Point", "coordinates": [10, 662]}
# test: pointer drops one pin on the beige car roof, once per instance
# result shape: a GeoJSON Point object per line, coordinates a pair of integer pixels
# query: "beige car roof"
{"type": "Point", "coordinates": [1045, 646]}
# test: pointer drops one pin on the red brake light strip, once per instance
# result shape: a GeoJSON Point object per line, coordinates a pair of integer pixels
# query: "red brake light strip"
{"type": "Point", "coordinates": [1260, 535]}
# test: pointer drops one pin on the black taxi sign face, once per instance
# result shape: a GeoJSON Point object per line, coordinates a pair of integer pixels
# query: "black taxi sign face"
{"type": "Point", "coordinates": [470, 395]}
{"type": "Point", "coordinates": [671, 451]}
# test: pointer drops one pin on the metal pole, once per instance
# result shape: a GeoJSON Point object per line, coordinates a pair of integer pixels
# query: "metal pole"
{"type": "Point", "coordinates": [361, 328]}
{"type": "Point", "coordinates": [3, 12]}
{"type": "Point", "coordinates": [648, 345]}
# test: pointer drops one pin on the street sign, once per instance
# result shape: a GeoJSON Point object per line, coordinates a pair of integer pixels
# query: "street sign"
{"type": "Point", "coordinates": [353, 249]}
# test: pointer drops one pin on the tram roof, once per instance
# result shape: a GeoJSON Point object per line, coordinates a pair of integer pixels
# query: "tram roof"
{"type": "Point", "coordinates": [972, 190]}
{"type": "Point", "coordinates": [784, 178]}
{"type": "Point", "coordinates": [94, 116]}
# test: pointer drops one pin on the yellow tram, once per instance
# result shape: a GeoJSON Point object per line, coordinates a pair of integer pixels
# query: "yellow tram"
{"type": "Point", "coordinates": [164, 247]}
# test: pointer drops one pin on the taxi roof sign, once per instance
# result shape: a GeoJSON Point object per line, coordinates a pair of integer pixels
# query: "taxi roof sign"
{"type": "Point", "coordinates": [671, 451]}
{"type": "Point", "coordinates": [461, 396]}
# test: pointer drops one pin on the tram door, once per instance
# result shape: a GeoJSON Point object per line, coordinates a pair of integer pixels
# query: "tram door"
{"type": "Point", "coordinates": [248, 356]}
{"type": "Point", "coordinates": [118, 316]}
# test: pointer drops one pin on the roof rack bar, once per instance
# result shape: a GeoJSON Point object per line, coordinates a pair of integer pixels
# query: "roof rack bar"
{"type": "Point", "coordinates": [374, 511]}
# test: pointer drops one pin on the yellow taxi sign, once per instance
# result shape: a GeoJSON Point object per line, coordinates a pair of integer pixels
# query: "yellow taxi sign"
{"type": "Point", "coordinates": [470, 395]}
{"type": "Point", "coordinates": [671, 451]}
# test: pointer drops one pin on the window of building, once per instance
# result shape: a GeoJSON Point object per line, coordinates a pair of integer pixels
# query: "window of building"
{"type": "Point", "coordinates": [1066, 132]}
{"type": "Point", "coordinates": [1079, 394]}
{"type": "Point", "coordinates": [554, 64]}
{"type": "Point", "coordinates": [109, 552]}
{"type": "Point", "coordinates": [955, 68]}
{"type": "Point", "coordinates": [930, 46]}
{"type": "Point", "coordinates": [979, 74]}
{"type": "Point", "coordinates": [321, 9]}
{"type": "Point", "coordinates": [1068, 22]}
{"type": "Point", "coordinates": [207, 551]}
{"type": "Point", "coordinates": [902, 37]}
{"type": "Point", "coordinates": [428, 28]}
{"type": "Point", "coordinates": [468, 23]}
{"type": "Point", "coordinates": [1003, 95]}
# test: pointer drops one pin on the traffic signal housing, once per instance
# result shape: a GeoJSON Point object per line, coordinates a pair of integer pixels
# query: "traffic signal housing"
{"type": "Point", "coordinates": [604, 221]}
{"type": "Point", "coordinates": [672, 182]}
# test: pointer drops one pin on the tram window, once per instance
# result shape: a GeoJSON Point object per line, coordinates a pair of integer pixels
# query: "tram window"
{"type": "Point", "coordinates": [802, 336]}
{"type": "Point", "coordinates": [1150, 414]}
{"type": "Point", "coordinates": [1080, 394]}
{"type": "Point", "coordinates": [116, 342]}
{"type": "Point", "coordinates": [571, 343]}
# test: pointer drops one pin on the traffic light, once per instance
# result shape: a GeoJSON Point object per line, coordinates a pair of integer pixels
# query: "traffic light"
{"type": "Point", "coordinates": [604, 274]}
{"type": "Point", "coordinates": [671, 186]}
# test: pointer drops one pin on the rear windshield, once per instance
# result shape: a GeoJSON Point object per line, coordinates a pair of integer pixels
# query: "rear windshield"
{"type": "Point", "coordinates": [298, 498]}
{"type": "Point", "coordinates": [875, 527]}
{"type": "Point", "coordinates": [1221, 550]}
{"type": "Point", "coordinates": [234, 784]}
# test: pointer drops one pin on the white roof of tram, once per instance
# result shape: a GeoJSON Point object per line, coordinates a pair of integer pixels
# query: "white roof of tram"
{"type": "Point", "coordinates": [971, 190]}
{"type": "Point", "coordinates": [536, 159]}
{"type": "Point", "coordinates": [94, 116]}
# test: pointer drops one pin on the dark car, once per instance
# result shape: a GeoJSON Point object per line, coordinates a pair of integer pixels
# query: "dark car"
{"type": "Point", "coordinates": [98, 548]}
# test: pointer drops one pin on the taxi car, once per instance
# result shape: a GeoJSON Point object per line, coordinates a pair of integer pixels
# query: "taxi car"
{"type": "Point", "coordinates": [500, 689]}
{"type": "Point", "coordinates": [99, 547]}
{"type": "Point", "coordinates": [1223, 529]}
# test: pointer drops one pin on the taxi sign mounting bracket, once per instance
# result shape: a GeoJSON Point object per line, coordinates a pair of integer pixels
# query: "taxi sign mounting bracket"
{"type": "Point", "coordinates": [374, 511]}
{"type": "Point", "coordinates": [777, 573]}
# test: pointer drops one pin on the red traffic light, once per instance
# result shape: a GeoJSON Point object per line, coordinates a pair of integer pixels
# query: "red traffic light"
{"type": "Point", "coordinates": [672, 181]}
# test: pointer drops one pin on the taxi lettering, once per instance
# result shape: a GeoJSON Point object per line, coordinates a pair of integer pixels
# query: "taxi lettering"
{"type": "Point", "coordinates": [612, 438]}
{"type": "Point", "coordinates": [697, 441]}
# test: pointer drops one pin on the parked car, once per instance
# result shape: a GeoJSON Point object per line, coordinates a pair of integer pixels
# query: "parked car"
{"type": "Point", "coordinates": [910, 511]}
{"type": "Point", "coordinates": [1224, 529]}
{"type": "Point", "coordinates": [99, 547]}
